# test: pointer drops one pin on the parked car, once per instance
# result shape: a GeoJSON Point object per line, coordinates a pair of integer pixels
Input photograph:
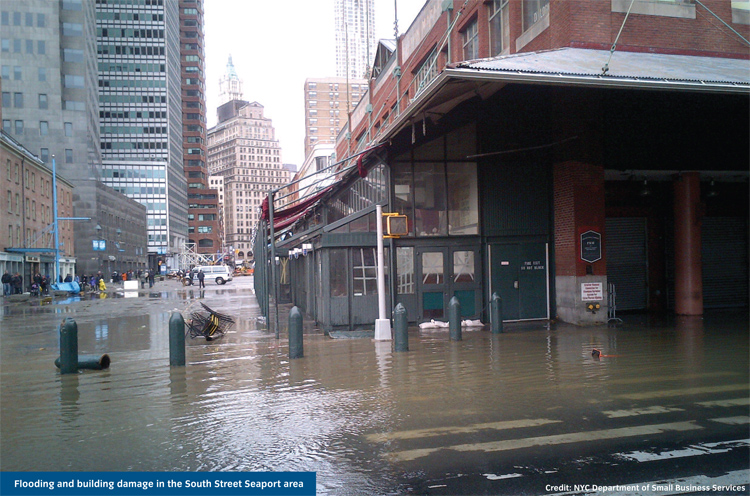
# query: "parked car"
{"type": "Point", "coordinates": [221, 274]}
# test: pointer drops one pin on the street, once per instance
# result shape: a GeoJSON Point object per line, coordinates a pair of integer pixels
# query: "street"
{"type": "Point", "coordinates": [662, 410]}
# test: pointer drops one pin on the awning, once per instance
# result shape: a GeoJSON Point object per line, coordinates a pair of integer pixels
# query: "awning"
{"type": "Point", "coordinates": [573, 67]}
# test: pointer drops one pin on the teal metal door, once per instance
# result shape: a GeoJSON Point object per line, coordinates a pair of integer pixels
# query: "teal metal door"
{"type": "Point", "coordinates": [432, 286]}
{"type": "Point", "coordinates": [444, 272]}
{"type": "Point", "coordinates": [519, 274]}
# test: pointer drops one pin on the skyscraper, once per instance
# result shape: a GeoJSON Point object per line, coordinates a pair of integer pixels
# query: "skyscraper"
{"type": "Point", "coordinates": [141, 114]}
{"type": "Point", "coordinates": [49, 72]}
{"type": "Point", "coordinates": [355, 37]}
{"type": "Point", "coordinates": [243, 149]}
{"type": "Point", "coordinates": [203, 213]}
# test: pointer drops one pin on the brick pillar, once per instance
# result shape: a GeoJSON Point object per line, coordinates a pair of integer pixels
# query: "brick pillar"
{"type": "Point", "coordinates": [688, 279]}
{"type": "Point", "coordinates": [579, 207]}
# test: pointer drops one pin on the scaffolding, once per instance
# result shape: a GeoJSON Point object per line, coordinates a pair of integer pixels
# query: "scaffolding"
{"type": "Point", "coordinates": [189, 258]}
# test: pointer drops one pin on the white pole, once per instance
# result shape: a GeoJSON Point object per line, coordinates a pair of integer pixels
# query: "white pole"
{"type": "Point", "coordinates": [382, 324]}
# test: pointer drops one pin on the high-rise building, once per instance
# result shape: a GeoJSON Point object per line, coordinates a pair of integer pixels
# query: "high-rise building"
{"type": "Point", "coordinates": [49, 75]}
{"type": "Point", "coordinates": [141, 115]}
{"type": "Point", "coordinates": [355, 37]}
{"type": "Point", "coordinates": [203, 212]}
{"type": "Point", "coordinates": [230, 85]}
{"type": "Point", "coordinates": [243, 149]}
{"type": "Point", "coordinates": [328, 102]}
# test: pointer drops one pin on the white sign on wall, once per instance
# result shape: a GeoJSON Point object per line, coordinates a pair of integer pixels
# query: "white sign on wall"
{"type": "Point", "coordinates": [592, 291]}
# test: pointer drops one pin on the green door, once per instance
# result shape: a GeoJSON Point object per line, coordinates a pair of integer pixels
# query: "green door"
{"type": "Point", "coordinates": [519, 274]}
{"type": "Point", "coordinates": [444, 272]}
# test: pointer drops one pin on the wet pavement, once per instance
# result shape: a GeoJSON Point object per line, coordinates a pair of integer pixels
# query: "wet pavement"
{"type": "Point", "coordinates": [529, 411]}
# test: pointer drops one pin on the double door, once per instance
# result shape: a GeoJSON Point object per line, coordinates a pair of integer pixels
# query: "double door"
{"type": "Point", "coordinates": [444, 272]}
{"type": "Point", "coordinates": [519, 274]}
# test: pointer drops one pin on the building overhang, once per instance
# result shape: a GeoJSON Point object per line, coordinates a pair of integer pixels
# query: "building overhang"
{"type": "Point", "coordinates": [572, 67]}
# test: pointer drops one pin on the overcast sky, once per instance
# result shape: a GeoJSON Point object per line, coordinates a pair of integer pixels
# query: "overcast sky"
{"type": "Point", "coordinates": [275, 46]}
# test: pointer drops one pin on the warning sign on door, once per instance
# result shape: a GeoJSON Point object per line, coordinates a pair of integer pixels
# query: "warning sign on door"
{"type": "Point", "coordinates": [592, 291]}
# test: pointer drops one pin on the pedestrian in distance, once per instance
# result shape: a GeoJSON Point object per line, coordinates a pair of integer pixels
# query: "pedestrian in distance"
{"type": "Point", "coordinates": [201, 277]}
{"type": "Point", "coordinates": [150, 278]}
{"type": "Point", "coordinates": [7, 288]}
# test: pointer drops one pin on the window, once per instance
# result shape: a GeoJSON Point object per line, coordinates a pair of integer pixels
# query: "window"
{"type": "Point", "coordinates": [6, 99]}
{"type": "Point", "coordinates": [10, 201]}
{"type": "Point", "coordinates": [364, 271]}
{"type": "Point", "coordinates": [499, 27]}
{"type": "Point", "coordinates": [18, 100]}
{"type": "Point", "coordinates": [338, 284]}
{"type": "Point", "coordinates": [17, 73]}
{"type": "Point", "coordinates": [68, 156]}
{"type": "Point", "coordinates": [72, 55]}
{"type": "Point", "coordinates": [29, 46]}
{"type": "Point", "coordinates": [29, 19]}
{"type": "Point", "coordinates": [44, 155]}
{"type": "Point", "coordinates": [42, 74]}
{"type": "Point", "coordinates": [427, 72]}
{"type": "Point", "coordinates": [41, 47]}
{"type": "Point", "coordinates": [72, 29]}
{"type": "Point", "coordinates": [16, 18]}
{"type": "Point", "coordinates": [44, 128]}
{"type": "Point", "coordinates": [6, 125]}
{"type": "Point", "coordinates": [533, 11]}
{"type": "Point", "coordinates": [72, 81]}
{"type": "Point", "coordinates": [405, 270]}
{"type": "Point", "coordinates": [40, 21]}
{"type": "Point", "coordinates": [19, 127]}
{"type": "Point", "coordinates": [68, 129]}
{"type": "Point", "coordinates": [5, 45]}
{"type": "Point", "coordinates": [42, 101]}
{"type": "Point", "coordinates": [470, 41]}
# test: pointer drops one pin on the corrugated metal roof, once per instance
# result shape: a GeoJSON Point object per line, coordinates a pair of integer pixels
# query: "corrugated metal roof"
{"type": "Point", "coordinates": [588, 63]}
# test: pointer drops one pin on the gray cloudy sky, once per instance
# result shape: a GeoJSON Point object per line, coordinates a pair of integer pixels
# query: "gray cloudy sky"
{"type": "Point", "coordinates": [275, 46]}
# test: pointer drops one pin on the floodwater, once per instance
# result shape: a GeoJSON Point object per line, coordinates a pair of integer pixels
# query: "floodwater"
{"type": "Point", "coordinates": [241, 405]}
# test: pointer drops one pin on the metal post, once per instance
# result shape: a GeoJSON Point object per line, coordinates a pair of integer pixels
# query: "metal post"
{"type": "Point", "coordinates": [68, 346]}
{"type": "Point", "coordinates": [382, 324]}
{"type": "Point", "coordinates": [55, 230]}
{"type": "Point", "coordinates": [273, 264]}
{"type": "Point", "coordinates": [296, 347]}
{"type": "Point", "coordinates": [400, 328]}
{"type": "Point", "coordinates": [496, 313]}
{"type": "Point", "coordinates": [176, 340]}
{"type": "Point", "coordinates": [454, 319]}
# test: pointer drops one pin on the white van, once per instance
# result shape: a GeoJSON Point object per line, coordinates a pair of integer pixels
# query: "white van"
{"type": "Point", "coordinates": [221, 274]}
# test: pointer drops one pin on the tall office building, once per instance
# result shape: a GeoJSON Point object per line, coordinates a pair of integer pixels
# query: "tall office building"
{"type": "Point", "coordinates": [138, 46]}
{"type": "Point", "coordinates": [328, 102]}
{"type": "Point", "coordinates": [49, 72]}
{"type": "Point", "coordinates": [244, 151]}
{"type": "Point", "coordinates": [355, 37]}
{"type": "Point", "coordinates": [203, 207]}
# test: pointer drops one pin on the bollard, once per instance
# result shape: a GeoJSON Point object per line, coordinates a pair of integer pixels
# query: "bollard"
{"type": "Point", "coordinates": [400, 329]}
{"type": "Point", "coordinates": [295, 334]}
{"type": "Point", "coordinates": [496, 313]}
{"type": "Point", "coordinates": [68, 346]}
{"type": "Point", "coordinates": [91, 362]}
{"type": "Point", "coordinates": [454, 319]}
{"type": "Point", "coordinates": [176, 340]}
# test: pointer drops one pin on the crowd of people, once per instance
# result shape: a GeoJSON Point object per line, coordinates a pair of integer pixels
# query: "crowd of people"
{"type": "Point", "coordinates": [40, 285]}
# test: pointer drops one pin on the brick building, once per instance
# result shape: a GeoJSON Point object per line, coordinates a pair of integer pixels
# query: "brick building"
{"type": "Point", "coordinates": [574, 157]}
{"type": "Point", "coordinates": [204, 231]}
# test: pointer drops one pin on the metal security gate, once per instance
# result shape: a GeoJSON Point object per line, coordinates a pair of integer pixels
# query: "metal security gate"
{"type": "Point", "coordinates": [627, 261]}
{"type": "Point", "coordinates": [725, 262]}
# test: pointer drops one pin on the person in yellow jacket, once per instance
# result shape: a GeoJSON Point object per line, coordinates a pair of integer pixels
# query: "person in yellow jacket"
{"type": "Point", "coordinates": [102, 286]}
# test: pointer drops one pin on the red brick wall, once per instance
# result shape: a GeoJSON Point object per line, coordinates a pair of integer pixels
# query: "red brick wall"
{"type": "Point", "coordinates": [579, 207]}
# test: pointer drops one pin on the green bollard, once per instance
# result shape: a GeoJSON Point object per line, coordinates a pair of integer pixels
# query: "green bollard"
{"type": "Point", "coordinates": [68, 346]}
{"type": "Point", "coordinates": [400, 329]}
{"type": "Point", "coordinates": [176, 340]}
{"type": "Point", "coordinates": [295, 334]}
{"type": "Point", "coordinates": [454, 319]}
{"type": "Point", "coordinates": [91, 362]}
{"type": "Point", "coordinates": [496, 313]}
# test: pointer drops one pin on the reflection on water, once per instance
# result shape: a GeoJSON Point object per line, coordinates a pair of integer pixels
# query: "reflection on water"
{"type": "Point", "coordinates": [241, 404]}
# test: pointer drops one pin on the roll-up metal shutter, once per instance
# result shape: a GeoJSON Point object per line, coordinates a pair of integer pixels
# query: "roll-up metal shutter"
{"type": "Point", "coordinates": [627, 261]}
{"type": "Point", "coordinates": [725, 262]}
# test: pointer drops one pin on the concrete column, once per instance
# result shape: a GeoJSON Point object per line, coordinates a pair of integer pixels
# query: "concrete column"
{"type": "Point", "coordinates": [688, 279]}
